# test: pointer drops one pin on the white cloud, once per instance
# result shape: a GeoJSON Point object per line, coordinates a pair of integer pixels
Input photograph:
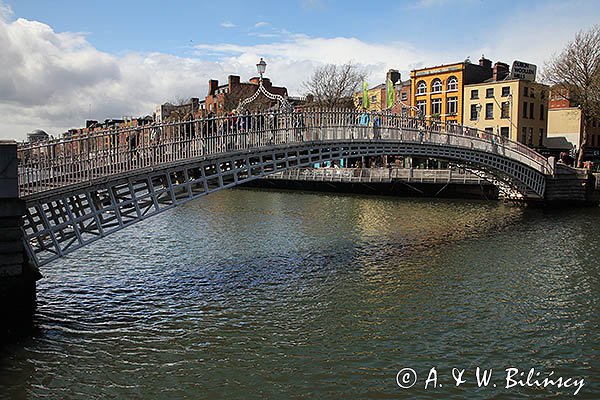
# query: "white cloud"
{"type": "Point", "coordinates": [261, 24]}
{"type": "Point", "coordinates": [227, 24]}
{"type": "Point", "coordinates": [5, 12]}
{"type": "Point", "coordinates": [49, 79]}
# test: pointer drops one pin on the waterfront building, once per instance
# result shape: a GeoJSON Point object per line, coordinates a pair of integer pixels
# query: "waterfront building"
{"type": "Point", "coordinates": [565, 126]}
{"type": "Point", "coordinates": [378, 95]}
{"type": "Point", "coordinates": [37, 135]}
{"type": "Point", "coordinates": [513, 108]}
{"type": "Point", "coordinates": [222, 99]}
{"type": "Point", "coordinates": [377, 98]}
{"type": "Point", "coordinates": [438, 91]}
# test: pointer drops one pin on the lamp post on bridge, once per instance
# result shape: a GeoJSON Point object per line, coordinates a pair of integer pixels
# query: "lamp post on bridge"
{"type": "Point", "coordinates": [261, 67]}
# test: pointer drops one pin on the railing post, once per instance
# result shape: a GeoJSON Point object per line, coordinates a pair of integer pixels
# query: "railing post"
{"type": "Point", "coordinates": [17, 276]}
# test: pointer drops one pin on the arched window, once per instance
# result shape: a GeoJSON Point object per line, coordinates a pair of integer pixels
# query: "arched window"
{"type": "Point", "coordinates": [421, 87]}
{"type": "Point", "coordinates": [436, 86]}
{"type": "Point", "coordinates": [452, 83]}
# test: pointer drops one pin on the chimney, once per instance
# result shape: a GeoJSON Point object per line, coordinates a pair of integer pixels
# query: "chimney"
{"type": "Point", "coordinates": [212, 86]}
{"type": "Point", "coordinates": [484, 62]}
{"type": "Point", "coordinates": [393, 75]}
{"type": "Point", "coordinates": [500, 71]}
{"type": "Point", "coordinates": [233, 80]}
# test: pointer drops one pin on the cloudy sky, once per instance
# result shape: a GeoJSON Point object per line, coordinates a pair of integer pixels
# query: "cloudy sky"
{"type": "Point", "coordinates": [65, 61]}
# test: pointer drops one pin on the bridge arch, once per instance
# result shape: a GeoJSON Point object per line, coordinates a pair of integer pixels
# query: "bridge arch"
{"type": "Point", "coordinates": [91, 204]}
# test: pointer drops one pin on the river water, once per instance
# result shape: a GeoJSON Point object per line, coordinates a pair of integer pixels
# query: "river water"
{"type": "Point", "coordinates": [263, 294]}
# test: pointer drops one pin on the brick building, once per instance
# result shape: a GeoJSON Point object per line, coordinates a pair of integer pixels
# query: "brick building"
{"type": "Point", "coordinates": [221, 99]}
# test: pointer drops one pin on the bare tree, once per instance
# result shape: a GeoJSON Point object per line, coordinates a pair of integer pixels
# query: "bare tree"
{"type": "Point", "coordinates": [575, 75]}
{"type": "Point", "coordinates": [333, 85]}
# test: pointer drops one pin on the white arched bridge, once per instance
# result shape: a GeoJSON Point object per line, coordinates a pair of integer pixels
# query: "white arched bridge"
{"type": "Point", "coordinates": [84, 187]}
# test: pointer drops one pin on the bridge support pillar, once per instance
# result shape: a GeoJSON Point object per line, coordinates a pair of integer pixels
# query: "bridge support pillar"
{"type": "Point", "coordinates": [17, 275]}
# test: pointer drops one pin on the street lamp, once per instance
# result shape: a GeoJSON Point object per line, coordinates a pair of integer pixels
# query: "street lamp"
{"type": "Point", "coordinates": [261, 67]}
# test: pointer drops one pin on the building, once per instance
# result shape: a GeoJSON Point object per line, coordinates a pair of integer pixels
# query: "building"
{"type": "Point", "coordinates": [437, 92]}
{"type": "Point", "coordinates": [514, 108]}
{"type": "Point", "coordinates": [37, 135]}
{"type": "Point", "coordinates": [378, 95]}
{"type": "Point", "coordinates": [377, 98]}
{"type": "Point", "coordinates": [170, 112]}
{"type": "Point", "coordinates": [222, 99]}
{"type": "Point", "coordinates": [565, 126]}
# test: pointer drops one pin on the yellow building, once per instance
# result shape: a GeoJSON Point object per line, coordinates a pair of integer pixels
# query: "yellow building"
{"type": "Point", "coordinates": [438, 91]}
{"type": "Point", "coordinates": [567, 123]}
{"type": "Point", "coordinates": [377, 98]}
{"type": "Point", "coordinates": [514, 108]}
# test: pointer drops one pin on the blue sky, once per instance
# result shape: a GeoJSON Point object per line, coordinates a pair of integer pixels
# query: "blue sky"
{"type": "Point", "coordinates": [174, 27]}
{"type": "Point", "coordinates": [65, 61]}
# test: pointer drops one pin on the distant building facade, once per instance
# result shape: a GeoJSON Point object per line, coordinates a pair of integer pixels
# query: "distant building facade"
{"type": "Point", "coordinates": [513, 108]}
{"type": "Point", "coordinates": [37, 135]}
{"type": "Point", "coordinates": [438, 91]}
{"type": "Point", "coordinates": [222, 99]}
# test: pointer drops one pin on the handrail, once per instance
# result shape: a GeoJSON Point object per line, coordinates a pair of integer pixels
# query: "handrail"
{"type": "Point", "coordinates": [85, 156]}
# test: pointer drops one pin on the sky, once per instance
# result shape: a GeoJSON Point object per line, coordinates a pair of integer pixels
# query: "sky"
{"type": "Point", "coordinates": [66, 61]}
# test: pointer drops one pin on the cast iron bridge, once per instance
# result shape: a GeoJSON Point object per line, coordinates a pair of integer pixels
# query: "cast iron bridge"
{"type": "Point", "coordinates": [81, 188]}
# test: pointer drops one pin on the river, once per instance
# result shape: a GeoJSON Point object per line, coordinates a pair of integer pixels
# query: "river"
{"type": "Point", "coordinates": [265, 294]}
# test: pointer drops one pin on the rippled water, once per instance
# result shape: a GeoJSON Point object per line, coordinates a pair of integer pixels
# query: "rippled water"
{"type": "Point", "coordinates": [257, 294]}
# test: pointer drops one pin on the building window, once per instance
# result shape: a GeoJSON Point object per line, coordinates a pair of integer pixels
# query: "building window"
{"type": "Point", "coordinates": [452, 106]}
{"type": "Point", "coordinates": [489, 111]}
{"type": "Point", "coordinates": [526, 91]}
{"type": "Point", "coordinates": [421, 87]}
{"type": "Point", "coordinates": [532, 93]}
{"type": "Point", "coordinates": [422, 106]}
{"type": "Point", "coordinates": [530, 138]}
{"type": "Point", "coordinates": [452, 84]}
{"type": "Point", "coordinates": [505, 110]}
{"type": "Point", "coordinates": [531, 110]}
{"type": "Point", "coordinates": [436, 107]}
{"type": "Point", "coordinates": [542, 94]}
{"type": "Point", "coordinates": [541, 138]}
{"type": "Point", "coordinates": [436, 86]}
{"type": "Point", "coordinates": [489, 130]}
{"type": "Point", "coordinates": [524, 109]}
{"type": "Point", "coordinates": [524, 135]}
{"type": "Point", "coordinates": [505, 91]}
{"type": "Point", "coordinates": [404, 96]}
{"type": "Point", "coordinates": [474, 94]}
{"type": "Point", "coordinates": [474, 115]}
{"type": "Point", "coordinates": [374, 99]}
{"type": "Point", "coordinates": [541, 112]}
{"type": "Point", "coordinates": [489, 92]}
{"type": "Point", "coordinates": [504, 131]}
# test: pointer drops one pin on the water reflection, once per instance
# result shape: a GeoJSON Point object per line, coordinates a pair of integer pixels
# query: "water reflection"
{"type": "Point", "coordinates": [250, 294]}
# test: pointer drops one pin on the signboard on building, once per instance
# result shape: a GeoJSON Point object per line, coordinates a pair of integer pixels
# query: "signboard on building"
{"type": "Point", "coordinates": [523, 70]}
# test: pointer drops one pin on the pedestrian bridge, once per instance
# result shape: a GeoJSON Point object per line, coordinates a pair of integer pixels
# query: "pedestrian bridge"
{"type": "Point", "coordinates": [81, 188]}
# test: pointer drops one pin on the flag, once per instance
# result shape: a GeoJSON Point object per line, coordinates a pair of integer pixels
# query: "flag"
{"type": "Point", "coordinates": [391, 94]}
{"type": "Point", "coordinates": [365, 99]}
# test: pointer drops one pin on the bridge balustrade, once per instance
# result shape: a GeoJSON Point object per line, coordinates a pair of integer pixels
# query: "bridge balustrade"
{"type": "Point", "coordinates": [78, 159]}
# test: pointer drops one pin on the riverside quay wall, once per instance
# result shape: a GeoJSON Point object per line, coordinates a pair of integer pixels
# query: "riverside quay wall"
{"type": "Point", "coordinates": [17, 275]}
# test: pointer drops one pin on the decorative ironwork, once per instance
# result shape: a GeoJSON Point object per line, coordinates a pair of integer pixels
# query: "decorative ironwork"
{"type": "Point", "coordinates": [82, 188]}
{"type": "Point", "coordinates": [283, 103]}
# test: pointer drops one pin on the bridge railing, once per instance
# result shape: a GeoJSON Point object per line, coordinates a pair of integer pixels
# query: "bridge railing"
{"type": "Point", "coordinates": [378, 175]}
{"type": "Point", "coordinates": [86, 156]}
